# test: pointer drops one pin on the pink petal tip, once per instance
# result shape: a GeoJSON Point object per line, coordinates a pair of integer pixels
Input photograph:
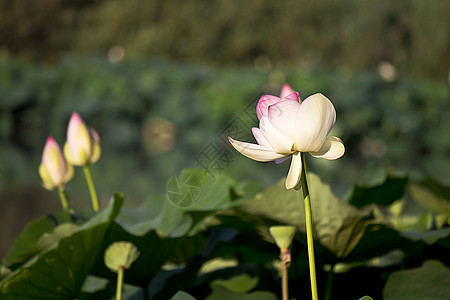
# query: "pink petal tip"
{"type": "Point", "coordinates": [286, 90]}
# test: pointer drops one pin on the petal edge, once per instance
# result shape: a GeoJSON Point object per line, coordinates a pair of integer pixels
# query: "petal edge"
{"type": "Point", "coordinates": [295, 171]}
{"type": "Point", "coordinates": [255, 151]}
{"type": "Point", "coordinates": [332, 148]}
{"type": "Point", "coordinates": [314, 120]}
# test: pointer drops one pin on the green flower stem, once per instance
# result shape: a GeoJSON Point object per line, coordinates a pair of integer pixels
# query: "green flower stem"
{"type": "Point", "coordinates": [63, 198]}
{"type": "Point", "coordinates": [91, 186]}
{"type": "Point", "coordinates": [309, 230]}
{"type": "Point", "coordinates": [329, 287]}
{"type": "Point", "coordinates": [119, 283]}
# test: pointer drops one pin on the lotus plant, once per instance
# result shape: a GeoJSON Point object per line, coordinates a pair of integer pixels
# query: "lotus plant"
{"type": "Point", "coordinates": [289, 128]}
{"type": "Point", "coordinates": [82, 149]}
{"type": "Point", "coordinates": [54, 170]}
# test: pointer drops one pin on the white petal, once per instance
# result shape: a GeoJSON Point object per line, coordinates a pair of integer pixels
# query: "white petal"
{"type": "Point", "coordinates": [295, 171]}
{"type": "Point", "coordinates": [333, 148]}
{"type": "Point", "coordinates": [313, 122]}
{"type": "Point", "coordinates": [260, 138]}
{"type": "Point", "coordinates": [279, 142]}
{"type": "Point", "coordinates": [255, 151]}
{"type": "Point", "coordinates": [282, 116]}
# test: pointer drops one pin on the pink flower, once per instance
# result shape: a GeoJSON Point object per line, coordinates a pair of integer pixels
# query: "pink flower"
{"type": "Point", "coordinates": [54, 170]}
{"type": "Point", "coordinates": [288, 127]}
{"type": "Point", "coordinates": [83, 144]}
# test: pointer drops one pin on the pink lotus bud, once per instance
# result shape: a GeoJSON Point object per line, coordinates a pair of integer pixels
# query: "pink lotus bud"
{"type": "Point", "coordinates": [54, 170]}
{"type": "Point", "coordinates": [287, 93]}
{"type": "Point", "coordinates": [83, 143]}
{"type": "Point", "coordinates": [286, 90]}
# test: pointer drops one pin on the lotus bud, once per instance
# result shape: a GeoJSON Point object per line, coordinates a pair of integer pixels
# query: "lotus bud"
{"type": "Point", "coordinates": [83, 143]}
{"type": "Point", "coordinates": [54, 170]}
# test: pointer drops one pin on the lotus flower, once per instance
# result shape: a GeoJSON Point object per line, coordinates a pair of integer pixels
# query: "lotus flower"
{"type": "Point", "coordinates": [83, 144]}
{"type": "Point", "coordinates": [289, 127]}
{"type": "Point", "coordinates": [54, 170]}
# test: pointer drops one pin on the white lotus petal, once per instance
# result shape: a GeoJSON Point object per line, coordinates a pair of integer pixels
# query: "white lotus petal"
{"type": "Point", "coordinates": [260, 138]}
{"type": "Point", "coordinates": [313, 122]}
{"type": "Point", "coordinates": [255, 151]}
{"type": "Point", "coordinates": [295, 171]}
{"type": "Point", "coordinates": [282, 116]}
{"type": "Point", "coordinates": [280, 143]}
{"type": "Point", "coordinates": [332, 148]}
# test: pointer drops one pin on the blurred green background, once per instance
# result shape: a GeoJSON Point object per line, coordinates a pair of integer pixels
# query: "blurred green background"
{"type": "Point", "coordinates": [161, 80]}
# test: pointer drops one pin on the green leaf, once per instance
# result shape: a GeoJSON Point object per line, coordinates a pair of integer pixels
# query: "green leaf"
{"type": "Point", "coordinates": [174, 217]}
{"type": "Point", "coordinates": [196, 190]}
{"type": "Point", "coordinates": [430, 281]}
{"type": "Point", "coordinates": [182, 296]}
{"type": "Point", "coordinates": [404, 215]}
{"type": "Point", "coordinates": [59, 232]}
{"type": "Point", "coordinates": [379, 239]}
{"type": "Point", "coordinates": [394, 257]}
{"type": "Point", "coordinates": [339, 226]}
{"type": "Point", "coordinates": [218, 263]}
{"type": "Point", "coordinates": [195, 186]}
{"type": "Point", "coordinates": [429, 237]}
{"type": "Point", "coordinates": [4, 271]}
{"type": "Point", "coordinates": [344, 230]}
{"type": "Point", "coordinates": [240, 283]}
{"type": "Point", "coordinates": [431, 194]}
{"type": "Point", "coordinates": [349, 235]}
{"type": "Point", "coordinates": [26, 244]}
{"type": "Point", "coordinates": [286, 206]}
{"type": "Point", "coordinates": [384, 194]}
{"type": "Point", "coordinates": [169, 219]}
{"type": "Point", "coordinates": [220, 292]}
{"type": "Point", "coordinates": [94, 284]}
{"type": "Point", "coordinates": [59, 272]}
{"type": "Point", "coordinates": [140, 220]}
{"type": "Point", "coordinates": [366, 298]}
{"type": "Point", "coordinates": [189, 247]}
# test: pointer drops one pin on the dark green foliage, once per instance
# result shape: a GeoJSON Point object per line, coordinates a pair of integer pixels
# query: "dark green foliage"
{"type": "Point", "coordinates": [58, 272]}
{"type": "Point", "coordinates": [27, 244]}
{"type": "Point", "coordinates": [392, 189]}
{"type": "Point", "coordinates": [430, 281]}
{"type": "Point", "coordinates": [220, 247]}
